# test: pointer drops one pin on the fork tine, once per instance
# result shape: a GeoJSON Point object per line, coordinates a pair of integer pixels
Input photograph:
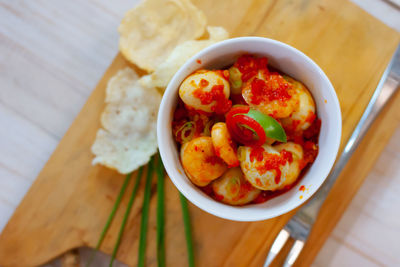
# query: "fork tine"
{"type": "Point", "coordinates": [276, 247]}
{"type": "Point", "coordinates": [294, 253]}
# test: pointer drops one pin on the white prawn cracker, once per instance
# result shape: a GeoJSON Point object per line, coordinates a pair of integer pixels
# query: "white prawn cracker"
{"type": "Point", "coordinates": [150, 31]}
{"type": "Point", "coordinates": [164, 72]}
{"type": "Point", "coordinates": [129, 119]}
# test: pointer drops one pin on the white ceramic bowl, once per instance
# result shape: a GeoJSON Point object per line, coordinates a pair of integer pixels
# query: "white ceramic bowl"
{"type": "Point", "coordinates": [290, 61]}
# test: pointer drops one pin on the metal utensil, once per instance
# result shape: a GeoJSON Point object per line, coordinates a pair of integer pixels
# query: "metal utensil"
{"type": "Point", "coordinates": [300, 224]}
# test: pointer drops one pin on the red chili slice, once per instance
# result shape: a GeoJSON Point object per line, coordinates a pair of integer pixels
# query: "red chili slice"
{"type": "Point", "coordinates": [240, 109]}
{"type": "Point", "coordinates": [243, 128]}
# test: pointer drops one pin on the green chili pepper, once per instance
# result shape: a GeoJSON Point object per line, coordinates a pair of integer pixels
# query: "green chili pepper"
{"type": "Point", "coordinates": [271, 126]}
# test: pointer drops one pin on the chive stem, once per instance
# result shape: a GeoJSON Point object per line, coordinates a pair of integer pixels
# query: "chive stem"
{"type": "Point", "coordinates": [160, 213]}
{"type": "Point", "coordinates": [188, 234]}
{"type": "Point", "coordinates": [110, 217]}
{"type": "Point", "coordinates": [145, 214]}
{"type": "Point", "coordinates": [128, 210]}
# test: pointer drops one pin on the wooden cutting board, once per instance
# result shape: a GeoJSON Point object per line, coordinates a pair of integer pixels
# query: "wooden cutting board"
{"type": "Point", "coordinates": [70, 200]}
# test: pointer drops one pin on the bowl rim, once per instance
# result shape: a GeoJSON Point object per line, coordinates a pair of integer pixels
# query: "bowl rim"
{"type": "Point", "coordinates": [226, 211]}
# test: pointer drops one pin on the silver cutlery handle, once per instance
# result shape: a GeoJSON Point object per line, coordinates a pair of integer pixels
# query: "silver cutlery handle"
{"type": "Point", "coordinates": [388, 85]}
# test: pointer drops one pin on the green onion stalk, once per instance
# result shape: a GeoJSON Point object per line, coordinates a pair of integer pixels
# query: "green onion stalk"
{"type": "Point", "coordinates": [145, 214]}
{"type": "Point", "coordinates": [188, 234]}
{"type": "Point", "coordinates": [110, 217]}
{"type": "Point", "coordinates": [128, 210]}
{"type": "Point", "coordinates": [160, 213]}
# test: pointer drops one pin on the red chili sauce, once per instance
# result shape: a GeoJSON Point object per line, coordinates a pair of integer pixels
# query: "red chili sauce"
{"type": "Point", "coordinates": [272, 162]}
{"type": "Point", "coordinates": [216, 94]}
{"type": "Point", "coordinates": [276, 88]}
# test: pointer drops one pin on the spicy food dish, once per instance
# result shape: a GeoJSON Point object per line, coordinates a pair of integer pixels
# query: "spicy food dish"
{"type": "Point", "coordinates": [246, 133]}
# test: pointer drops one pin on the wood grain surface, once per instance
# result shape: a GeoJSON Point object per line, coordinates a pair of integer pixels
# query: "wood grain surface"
{"type": "Point", "coordinates": [70, 200]}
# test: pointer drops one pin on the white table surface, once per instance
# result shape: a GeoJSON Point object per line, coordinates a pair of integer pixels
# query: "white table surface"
{"type": "Point", "coordinates": [52, 54]}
